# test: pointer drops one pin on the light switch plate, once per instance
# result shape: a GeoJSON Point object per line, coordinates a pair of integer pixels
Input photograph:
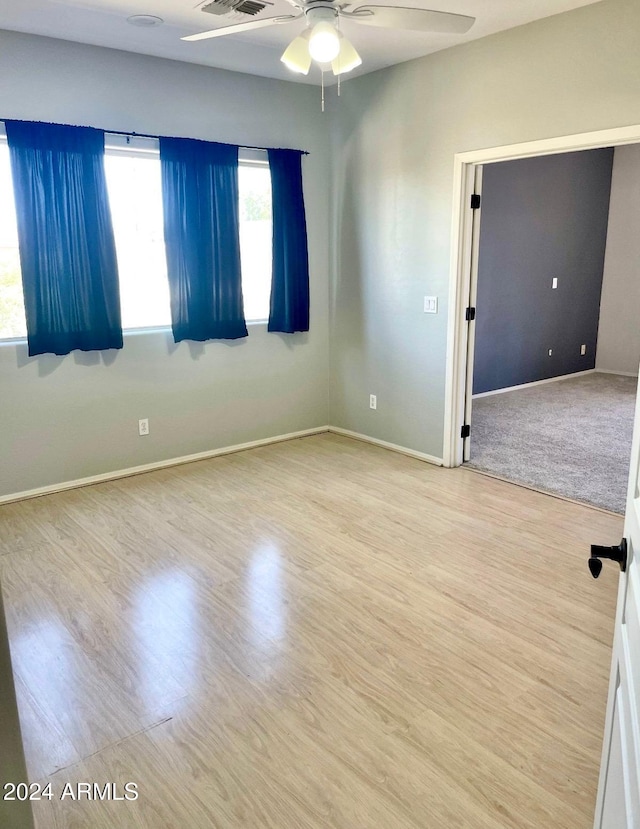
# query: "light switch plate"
{"type": "Point", "coordinates": [431, 305]}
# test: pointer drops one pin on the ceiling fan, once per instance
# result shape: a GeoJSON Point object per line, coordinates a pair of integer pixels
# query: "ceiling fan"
{"type": "Point", "coordinates": [321, 40]}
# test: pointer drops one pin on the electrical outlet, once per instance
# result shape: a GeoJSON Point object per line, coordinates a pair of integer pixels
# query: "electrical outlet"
{"type": "Point", "coordinates": [373, 401]}
{"type": "Point", "coordinates": [554, 283]}
{"type": "Point", "coordinates": [550, 352]}
{"type": "Point", "coordinates": [143, 426]}
{"type": "Point", "coordinates": [583, 350]}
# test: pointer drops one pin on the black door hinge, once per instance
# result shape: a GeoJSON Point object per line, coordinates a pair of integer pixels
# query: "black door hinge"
{"type": "Point", "coordinates": [470, 314]}
{"type": "Point", "coordinates": [475, 201]}
{"type": "Point", "coordinates": [466, 431]}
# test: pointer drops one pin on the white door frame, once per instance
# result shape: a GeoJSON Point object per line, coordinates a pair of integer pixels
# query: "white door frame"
{"type": "Point", "coordinates": [471, 299]}
{"type": "Point", "coordinates": [460, 276]}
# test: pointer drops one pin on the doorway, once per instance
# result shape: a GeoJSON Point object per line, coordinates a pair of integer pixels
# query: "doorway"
{"type": "Point", "coordinates": [464, 285]}
{"type": "Point", "coordinates": [556, 288]}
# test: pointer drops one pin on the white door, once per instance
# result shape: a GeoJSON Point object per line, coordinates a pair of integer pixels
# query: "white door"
{"type": "Point", "coordinates": [618, 803]}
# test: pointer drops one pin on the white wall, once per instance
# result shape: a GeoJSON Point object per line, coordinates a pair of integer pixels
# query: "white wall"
{"type": "Point", "coordinates": [389, 169]}
{"type": "Point", "coordinates": [619, 331]}
{"type": "Point", "coordinates": [65, 418]}
{"type": "Point", "coordinates": [395, 140]}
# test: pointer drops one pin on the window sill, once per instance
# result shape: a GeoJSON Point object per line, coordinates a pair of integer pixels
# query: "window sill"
{"type": "Point", "coordinates": [127, 332]}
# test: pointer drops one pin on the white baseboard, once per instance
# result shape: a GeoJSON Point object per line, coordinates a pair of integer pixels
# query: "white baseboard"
{"type": "Point", "coordinates": [619, 373]}
{"type": "Point", "coordinates": [412, 453]}
{"type": "Point", "coordinates": [535, 383]}
{"type": "Point", "coordinates": [211, 453]}
{"type": "Point", "coordinates": [150, 467]}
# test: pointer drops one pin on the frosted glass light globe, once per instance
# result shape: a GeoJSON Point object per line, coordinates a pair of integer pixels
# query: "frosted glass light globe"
{"type": "Point", "coordinates": [324, 43]}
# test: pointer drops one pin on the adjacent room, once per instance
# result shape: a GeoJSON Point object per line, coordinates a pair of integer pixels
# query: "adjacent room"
{"type": "Point", "coordinates": [556, 340]}
{"type": "Point", "coordinates": [243, 583]}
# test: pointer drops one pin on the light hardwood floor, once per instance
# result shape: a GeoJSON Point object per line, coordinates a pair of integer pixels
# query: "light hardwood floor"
{"type": "Point", "coordinates": [318, 633]}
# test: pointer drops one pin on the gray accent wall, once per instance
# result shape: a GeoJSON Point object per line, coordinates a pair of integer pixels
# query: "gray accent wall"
{"type": "Point", "coordinates": [64, 418]}
{"type": "Point", "coordinates": [542, 218]}
{"type": "Point", "coordinates": [396, 136]}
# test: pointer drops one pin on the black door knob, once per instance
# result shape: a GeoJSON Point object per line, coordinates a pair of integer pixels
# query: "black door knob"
{"type": "Point", "coordinates": [618, 553]}
{"type": "Point", "coordinates": [595, 565]}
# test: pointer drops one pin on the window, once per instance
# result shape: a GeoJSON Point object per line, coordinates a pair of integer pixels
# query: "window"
{"type": "Point", "coordinates": [254, 183]}
{"type": "Point", "coordinates": [12, 319]}
{"type": "Point", "coordinates": [135, 197]}
{"type": "Point", "coordinates": [132, 168]}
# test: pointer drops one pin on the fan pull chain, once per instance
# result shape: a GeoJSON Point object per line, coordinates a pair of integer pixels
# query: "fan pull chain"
{"type": "Point", "coordinates": [339, 76]}
{"type": "Point", "coordinates": [322, 76]}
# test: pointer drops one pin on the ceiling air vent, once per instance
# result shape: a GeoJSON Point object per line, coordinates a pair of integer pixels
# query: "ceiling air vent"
{"type": "Point", "coordinates": [229, 6]}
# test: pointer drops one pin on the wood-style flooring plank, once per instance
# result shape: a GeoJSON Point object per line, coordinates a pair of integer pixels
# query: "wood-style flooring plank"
{"type": "Point", "coordinates": [318, 633]}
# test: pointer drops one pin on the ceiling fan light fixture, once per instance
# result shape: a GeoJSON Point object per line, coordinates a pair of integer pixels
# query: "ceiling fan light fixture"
{"type": "Point", "coordinates": [296, 56]}
{"type": "Point", "coordinates": [347, 58]}
{"type": "Point", "coordinates": [324, 43]}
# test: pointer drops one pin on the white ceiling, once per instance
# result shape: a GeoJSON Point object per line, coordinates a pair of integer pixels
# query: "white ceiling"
{"type": "Point", "coordinates": [104, 23]}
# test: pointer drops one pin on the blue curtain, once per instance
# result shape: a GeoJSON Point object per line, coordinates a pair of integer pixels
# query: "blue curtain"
{"type": "Point", "coordinates": [67, 249]}
{"type": "Point", "coordinates": [289, 310]}
{"type": "Point", "coordinates": [202, 239]}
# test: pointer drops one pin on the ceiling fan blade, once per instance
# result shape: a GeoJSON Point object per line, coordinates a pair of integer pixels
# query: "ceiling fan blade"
{"type": "Point", "coordinates": [237, 28]}
{"type": "Point", "coordinates": [421, 20]}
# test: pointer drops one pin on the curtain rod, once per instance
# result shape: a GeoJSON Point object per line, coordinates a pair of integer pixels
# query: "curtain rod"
{"type": "Point", "coordinates": [157, 137]}
{"type": "Point", "coordinates": [226, 143]}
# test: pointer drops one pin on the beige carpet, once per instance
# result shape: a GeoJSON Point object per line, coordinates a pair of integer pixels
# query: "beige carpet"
{"type": "Point", "coordinates": [571, 437]}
